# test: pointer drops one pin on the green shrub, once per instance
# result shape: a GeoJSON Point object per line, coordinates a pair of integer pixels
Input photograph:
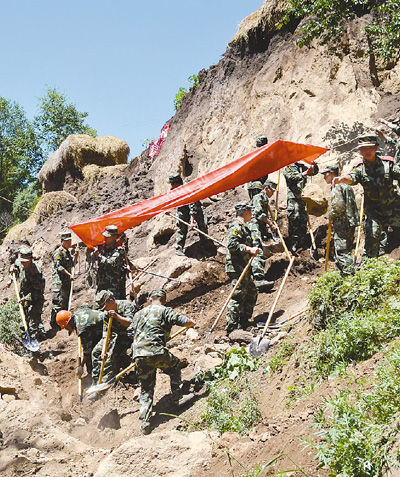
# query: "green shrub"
{"type": "Point", "coordinates": [280, 359]}
{"type": "Point", "coordinates": [359, 429]}
{"type": "Point", "coordinates": [10, 322]}
{"type": "Point", "coordinates": [24, 203]}
{"type": "Point", "coordinates": [194, 81]}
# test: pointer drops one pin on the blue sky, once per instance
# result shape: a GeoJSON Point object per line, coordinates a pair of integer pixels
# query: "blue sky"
{"type": "Point", "coordinates": [122, 61]}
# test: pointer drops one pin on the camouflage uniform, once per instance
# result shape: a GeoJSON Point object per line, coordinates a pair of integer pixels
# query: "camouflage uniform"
{"type": "Point", "coordinates": [150, 330]}
{"type": "Point", "coordinates": [89, 325]}
{"type": "Point", "coordinates": [194, 210]}
{"type": "Point", "coordinates": [32, 283]}
{"type": "Point", "coordinates": [344, 218]}
{"type": "Point", "coordinates": [252, 188]}
{"type": "Point", "coordinates": [118, 345]}
{"type": "Point", "coordinates": [60, 282]}
{"type": "Point", "coordinates": [382, 200]}
{"type": "Point", "coordinates": [111, 270]}
{"type": "Point", "coordinates": [241, 305]}
{"type": "Point", "coordinates": [296, 207]}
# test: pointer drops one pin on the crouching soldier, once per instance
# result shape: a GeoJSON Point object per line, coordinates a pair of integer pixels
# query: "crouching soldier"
{"type": "Point", "coordinates": [150, 331]}
{"type": "Point", "coordinates": [122, 312]}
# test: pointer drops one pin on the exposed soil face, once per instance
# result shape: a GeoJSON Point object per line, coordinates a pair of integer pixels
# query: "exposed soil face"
{"type": "Point", "coordinates": [263, 85]}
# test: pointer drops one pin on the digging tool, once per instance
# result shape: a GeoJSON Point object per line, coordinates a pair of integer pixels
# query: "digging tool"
{"type": "Point", "coordinates": [280, 234]}
{"type": "Point", "coordinates": [178, 332]}
{"type": "Point", "coordinates": [313, 249]}
{"type": "Point", "coordinates": [105, 349]}
{"type": "Point", "coordinates": [158, 275]}
{"type": "Point", "coordinates": [328, 245]}
{"type": "Point", "coordinates": [359, 230]}
{"type": "Point", "coordinates": [279, 325]}
{"type": "Point", "coordinates": [277, 195]}
{"type": "Point", "coordinates": [229, 297]}
{"type": "Point", "coordinates": [197, 230]}
{"type": "Point", "coordinates": [31, 344]}
{"type": "Point", "coordinates": [71, 290]}
{"type": "Point", "coordinates": [259, 346]}
{"type": "Point", "coordinates": [79, 365]}
{"type": "Point", "coordinates": [102, 386]}
{"type": "Point", "coordinates": [138, 275]}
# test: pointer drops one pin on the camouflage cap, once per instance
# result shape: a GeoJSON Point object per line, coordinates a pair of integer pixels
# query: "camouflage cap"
{"type": "Point", "coordinates": [261, 141]}
{"type": "Point", "coordinates": [110, 231]}
{"type": "Point", "coordinates": [330, 168]}
{"type": "Point", "coordinates": [242, 207]}
{"type": "Point", "coordinates": [102, 298]}
{"type": "Point", "coordinates": [158, 293]}
{"type": "Point", "coordinates": [65, 236]}
{"type": "Point", "coordinates": [271, 184]}
{"type": "Point", "coordinates": [25, 253]}
{"type": "Point", "coordinates": [175, 179]}
{"type": "Point", "coordinates": [368, 140]}
{"type": "Point", "coordinates": [255, 185]}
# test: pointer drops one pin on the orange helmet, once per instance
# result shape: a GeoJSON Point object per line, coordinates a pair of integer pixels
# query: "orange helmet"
{"type": "Point", "coordinates": [63, 317]}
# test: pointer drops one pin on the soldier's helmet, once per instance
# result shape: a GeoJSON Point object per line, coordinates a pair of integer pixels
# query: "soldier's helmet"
{"type": "Point", "coordinates": [66, 236]}
{"type": "Point", "coordinates": [102, 298]}
{"type": "Point", "coordinates": [261, 141]}
{"type": "Point", "coordinates": [158, 293]}
{"type": "Point", "coordinates": [331, 168]}
{"type": "Point", "coordinates": [111, 231]}
{"type": "Point", "coordinates": [63, 317]}
{"type": "Point", "coordinates": [25, 253]}
{"type": "Point", "coordinates": [241, 207]}
{"type": "Point", "coordinates": [255, 185]}
{"type": "Point", "coordinates": [271, 184]}
{"type": "Point", "coordinates": [175, 179]}
{"type": "Point", "coordinates": [368, 140]}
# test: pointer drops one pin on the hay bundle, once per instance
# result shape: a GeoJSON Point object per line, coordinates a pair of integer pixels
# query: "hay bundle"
{"type": "Point", "coordinates": [48, 204]}
{"type": "Point", "coordinates": [77, 151]}
{"type": "Point", "coordinates": [92, 173]}
{"type": "Point", "coordinates": [315, 198]}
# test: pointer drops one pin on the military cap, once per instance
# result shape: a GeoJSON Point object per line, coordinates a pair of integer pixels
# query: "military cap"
{"type": "Point", "coordinates": [25, 252]}
{"type": "Point", "coordinates": [65, 236]}
{"type": "Point", "coordinates": [158, 293]}
{"type": "Point", "coordinates": [102, 298]}
{"type": "Point", "coordinates": [242, 206]}
{"type": "Point", "coordinates": [261, 141]}
{"type": "Point", "coordinates": [329, 168]}
{"type": "Point", "coordinates": [110, 231]}
{"type": "Point", "coordinates": [270, 184]}
{"type": "Point", "coordinates": [368, 140]}
{"type": "Point", "coordinates": [255, 185]}
{"type": "Point", "coordinates": [175, 179]}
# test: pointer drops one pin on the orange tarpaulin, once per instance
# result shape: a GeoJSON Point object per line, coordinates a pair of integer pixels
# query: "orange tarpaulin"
{"type": "Point", "coordinates": [252, 166]}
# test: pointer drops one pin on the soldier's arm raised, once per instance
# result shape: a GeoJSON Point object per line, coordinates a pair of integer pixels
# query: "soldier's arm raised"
{"type": "Point", "coordinates": [346, 179]}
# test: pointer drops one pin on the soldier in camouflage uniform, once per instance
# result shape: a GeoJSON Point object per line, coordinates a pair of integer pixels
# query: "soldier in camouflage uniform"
{"type": "Point", "coordinates": [122, 312]}
{"type": "Point", "coordinates": [239, 251]}
{"type": "Point", "coordinates": [382, 201]}
{"type": "Point", "coordinates": [88, 325]}
{"type": "Point", "coordinates": [296, 178]}
{"type": "Point", "coordinates": [344, 218]}
{"type": "Point", "coordinates": [395, 127]}
{"type": "Point", "coordinates": [258, 227]}
{"type": "Point", "coordinates": [61, 279]}
{"type": "Point", "coordinates": [251, 188]}
{"type": "Point", "coordinates": [189, 213]}
{"type": "Point", "coordinates": [150, 331]}
{"type": "Point", "coordinates": [31, 291]}
{"type": "Point", "coordinates": [111, 261]}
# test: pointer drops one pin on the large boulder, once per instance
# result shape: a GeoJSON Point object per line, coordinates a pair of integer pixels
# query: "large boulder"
{"type": "Point", "coordinates": [77, 151]}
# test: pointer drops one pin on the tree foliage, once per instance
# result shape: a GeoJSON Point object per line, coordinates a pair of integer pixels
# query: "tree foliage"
{"type": "Point", "coordinates": [194, 81]}
{"type": "Point", "coordinates": [325, 21]}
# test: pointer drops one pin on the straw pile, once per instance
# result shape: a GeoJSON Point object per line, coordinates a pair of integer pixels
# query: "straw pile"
{"type": "Point", "coordinates": [92, 173]}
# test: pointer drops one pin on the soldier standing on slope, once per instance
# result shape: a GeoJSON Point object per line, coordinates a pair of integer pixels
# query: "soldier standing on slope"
{"type": "Point", "coordinates": [251, 188]}
{"type": "Point", "coordinates": [344, 219]}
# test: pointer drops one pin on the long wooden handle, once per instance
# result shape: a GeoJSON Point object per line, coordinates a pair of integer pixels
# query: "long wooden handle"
{"type": "Point", "coordinates": [72, 288]}
{"type": "Point", "coordinates": [79, 364]}
{"type": "Point", "coordinates": [289, 256]}
{"type": "Point", "coordinates": [142, 272]}
{"type": "Point", "coordinates": [197, 230]}
{"type": "Point", "coordinates": [178, 332]}
{"type": "Point", "coordinates": [231, 293]}
{"type": "Point", "coordinates": [328, 245]}
{"type": "Point", "coordinates": [277, 298]}
{"type": "Point", "coordinates": [277, 195]}
{"type": "Point", "coordinates": [359, 228]}
{"type": "Point", "coordinates": [21, 308]}
{"type": "Point", "coordinates": [310, 229]}
{"type": "Point", "coordinates": [105, 349]}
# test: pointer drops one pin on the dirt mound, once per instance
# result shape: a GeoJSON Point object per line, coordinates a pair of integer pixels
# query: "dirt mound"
{"type": "Point", "coordinates": [315, 198]}
{"type": "Point", "coordinates": [77, 151]}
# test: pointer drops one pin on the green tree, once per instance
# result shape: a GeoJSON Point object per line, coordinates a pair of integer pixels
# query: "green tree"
{"type": "Point", "coordinates": [24, 202]}
{"type": "Point", "coordinates": [57, 119]}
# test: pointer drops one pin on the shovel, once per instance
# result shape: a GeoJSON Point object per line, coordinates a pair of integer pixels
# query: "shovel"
{"type": "Point", "coordinates": [279, 233]}
{"type": "Point", "coordinates": [313, 249]}
{"type": "Point", "coordinates": [259, 346]}
{"type": "Point", "coordinates": [359, 230]}
{"type": "Point", "coordinates": [279, 325]}
{"type": "Point", "coordinates": [105, 349]}
{"type": "Point", "coordinates": [228, 299]}
{"type": "Point", "coordinates": [31, 344]}
{"type": "Point", "coordinates": [79, 364]}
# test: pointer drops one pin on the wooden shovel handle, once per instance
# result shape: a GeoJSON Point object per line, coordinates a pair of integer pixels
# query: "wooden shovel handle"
{"type": "Point", "coordinates": [21, 308]}
{"type": "Point", "coordinates": [105, 349]}
{"type": "Point", "coordinates": [359, 229]}
{"type": "Point", "coordinates": [279, 233]}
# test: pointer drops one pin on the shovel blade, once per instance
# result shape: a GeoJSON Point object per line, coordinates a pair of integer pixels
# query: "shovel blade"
{"type": "Point", "coordinates": [31, 344]}
{"type": "Point", "coordinates": [98, 387]}
{"type": "Point", "coordinates": [259, 346]}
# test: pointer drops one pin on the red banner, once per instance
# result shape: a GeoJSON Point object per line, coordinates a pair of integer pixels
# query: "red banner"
{"type": "Point", "coordinates": [252, 166]}
{"type": "Point", "coordinates": [155, 146]}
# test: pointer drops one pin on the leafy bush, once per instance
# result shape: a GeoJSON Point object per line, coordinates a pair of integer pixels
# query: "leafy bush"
{"type": "Point", "coordinates": [194, 81]}
{"type": "Point", "coordinates": [359, 428]}
{"type": "Point", "coordinates": [325, 20]}
{"type": "Point", "coordinates": [10, 322]}
{"type": "Point", "coordinates": [24, 203]}
{"type": "Point", "coordinates": [360, 312]}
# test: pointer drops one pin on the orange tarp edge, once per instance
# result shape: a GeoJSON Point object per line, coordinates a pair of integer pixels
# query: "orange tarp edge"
{"type": "Point", "coordinates": [252, 166]}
